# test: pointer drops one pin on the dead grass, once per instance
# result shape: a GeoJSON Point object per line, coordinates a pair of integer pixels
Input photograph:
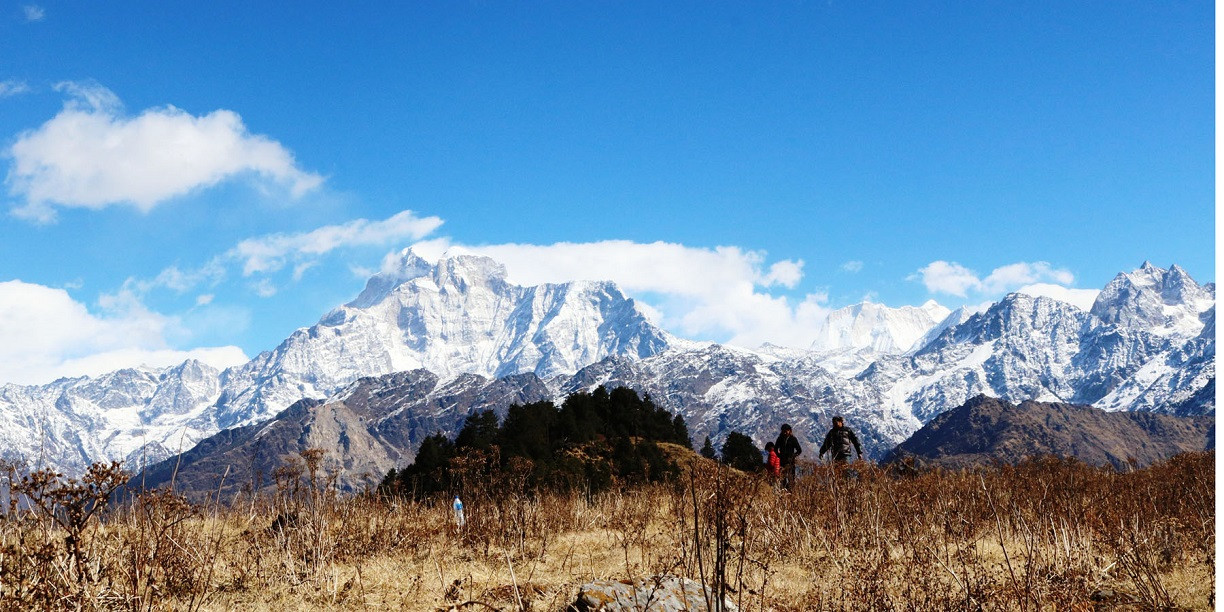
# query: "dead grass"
{"type": "Point", "coordinates": [1046, 535]}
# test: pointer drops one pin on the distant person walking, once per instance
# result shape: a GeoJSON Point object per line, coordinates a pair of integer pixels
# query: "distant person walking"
{"type": "Point", "coordinates": [457, 506]}
{"type": "Point", "coordinates": [838, 442]}
{"type": "Point", "coordinates": [788, 449]}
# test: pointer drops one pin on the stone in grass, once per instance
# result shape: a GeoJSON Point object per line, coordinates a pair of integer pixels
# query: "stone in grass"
{"type": "Point", "coordinates": [657, 594]}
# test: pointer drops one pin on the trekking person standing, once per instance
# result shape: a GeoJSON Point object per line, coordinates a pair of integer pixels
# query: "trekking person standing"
{"type": "Point", "coordinates": [788, 449]}
{"type": "Point", "coordinates": [838, 442]}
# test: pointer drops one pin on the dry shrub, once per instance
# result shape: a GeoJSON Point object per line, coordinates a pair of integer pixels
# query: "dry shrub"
{"type": "Point", "coordinates": [1045, 534]}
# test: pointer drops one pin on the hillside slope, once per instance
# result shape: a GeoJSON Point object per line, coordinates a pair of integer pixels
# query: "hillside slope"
{"type": "Point", "coordinates": [986, 430]}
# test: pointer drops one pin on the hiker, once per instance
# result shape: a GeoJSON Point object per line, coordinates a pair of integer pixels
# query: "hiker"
{"type": "Point", "coordinates": [459, 519]}
{"type": "Point", "coordinates": [838, 441]}
{"type": "Point", "coordinates": [787, 447]}
{"type": "Point", "coordinates": [773, 465]}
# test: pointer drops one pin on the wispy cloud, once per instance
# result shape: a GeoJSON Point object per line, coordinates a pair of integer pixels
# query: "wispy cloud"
{"type": "Point", "coordinates": [47, 334]}
{"type": "Point", "coordinates": [853, 266]}
{"type": "Point", "coordinates": [33, 13]}
{"type": "Point", "coordinates": [1035, 278]}
{"type": "Point", "coordinates": [261, 256]}
{"type": "Point", "coordinates": [92, 155]}
{"type": "Point", "coordinates": [270, 253]}
{"type": "Point", "coordinates": [12, 87]}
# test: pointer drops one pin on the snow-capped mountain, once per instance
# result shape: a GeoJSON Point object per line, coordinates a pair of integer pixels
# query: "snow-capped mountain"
{"type": "Point", "coordinates": [1021, 348]}
{"type": "Point", "coordinates": [454, 316]}
{"type": "Point", "coordinates": [719, 389]}
{"type": "Point", "coordinates": [877, 327]}
{"type": "Point", "coordinates": [1147, 344]}
{"type": "Point", "coordinates": [854, 337]}
{"type": "Point", "coordinates": [459, 315]}
{"type": "Point", "coordinates": [138, 416]}
{"type": "Point", "coordinates": [1158, 301]}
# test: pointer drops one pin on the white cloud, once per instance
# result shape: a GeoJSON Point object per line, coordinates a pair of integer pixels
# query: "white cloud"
{"type": "Point", "coordinates": [697, 292]}
{"type": "Point", "coordinates": [786, 273]}
{"type": "Point", "coordinates": [91, 155]}
{"type": "Point", "coordinates": [950, 278]}
{"type": "Point", "coordinates": [1080, 298]}
{"type": "Point", "coordinates": [954, 279]}
{"type": "Point", "coordinates": [853, 266]}
{"type": "Point", "coordinates": [12, 88]}
{"type": "Point", "coordinates": [270, 253]}
{"type": "Point", "coordinates": [1007, 278]}
{"type": "Point", "coordinates": [47, 334]}
{"type": "Point", "coordinates": [302, 251]}
{"type": "Point", "coordinates": [264, 288]}
{"type": "Point", "coordinates": [33, 12]}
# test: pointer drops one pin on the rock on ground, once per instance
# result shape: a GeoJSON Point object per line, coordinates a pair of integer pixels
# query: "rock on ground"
{"type": "Point", "coordinates": [657, 594]}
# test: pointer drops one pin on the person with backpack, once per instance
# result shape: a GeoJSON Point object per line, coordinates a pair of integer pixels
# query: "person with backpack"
{"type": "Point", "coordinates": [838, 442]}
{"type": "Point", "coordinates": [788, 449]}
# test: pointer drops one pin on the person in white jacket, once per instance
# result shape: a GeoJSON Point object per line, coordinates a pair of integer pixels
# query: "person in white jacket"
{"type": "Point", "coordinates": [458, 506]}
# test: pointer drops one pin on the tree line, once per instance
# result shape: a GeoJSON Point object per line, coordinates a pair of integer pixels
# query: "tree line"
{"type": "Point", "coordinates": [589, 442]}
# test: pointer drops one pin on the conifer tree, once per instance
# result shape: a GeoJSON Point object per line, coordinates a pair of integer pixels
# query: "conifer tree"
{"type": "Point", "coordinates": [741, 453]}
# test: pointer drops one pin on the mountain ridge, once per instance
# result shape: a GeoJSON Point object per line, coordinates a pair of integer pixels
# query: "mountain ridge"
{"type": "Point", "coordinates": [462, 312]}
{"type": "Point", "coordinates": [986, 430]}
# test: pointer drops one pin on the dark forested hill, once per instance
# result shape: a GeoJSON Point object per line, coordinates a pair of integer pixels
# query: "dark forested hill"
{"type": "Point", "coordinates": [985, 430]}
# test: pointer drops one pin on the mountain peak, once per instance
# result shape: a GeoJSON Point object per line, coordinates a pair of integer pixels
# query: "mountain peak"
{"type": "Point", "coordinates": [456, 315]}
{"type": "Point", "coordinates": [460, 271]}
{"type": "Point", "coordinates": [878, 327]}
{"type": "Point", "coordinates": [1157, 300]}
{"type": "Point", "coordinates": [463, 271]}
{"type": "Point", "coordinates": [395, 272]}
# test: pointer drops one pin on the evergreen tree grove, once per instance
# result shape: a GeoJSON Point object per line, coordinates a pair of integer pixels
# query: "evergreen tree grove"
{"type": "Point", "coordinates": [591, 438]}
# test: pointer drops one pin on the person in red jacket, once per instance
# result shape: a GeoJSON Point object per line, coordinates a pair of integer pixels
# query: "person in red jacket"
{"type": "Point", "coordinates": [773, 464]}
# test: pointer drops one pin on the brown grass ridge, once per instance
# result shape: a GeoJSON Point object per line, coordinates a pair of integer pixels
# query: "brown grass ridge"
{"type": "Point", "coordinates": [1044, 535]}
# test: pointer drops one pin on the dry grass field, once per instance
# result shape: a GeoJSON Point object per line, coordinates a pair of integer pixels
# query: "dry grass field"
{"type": "Point", "coordinates": [1045, 535]}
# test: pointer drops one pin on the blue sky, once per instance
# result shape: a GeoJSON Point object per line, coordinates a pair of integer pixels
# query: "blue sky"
{"type": "Point", "coordinates": [209, 178]}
